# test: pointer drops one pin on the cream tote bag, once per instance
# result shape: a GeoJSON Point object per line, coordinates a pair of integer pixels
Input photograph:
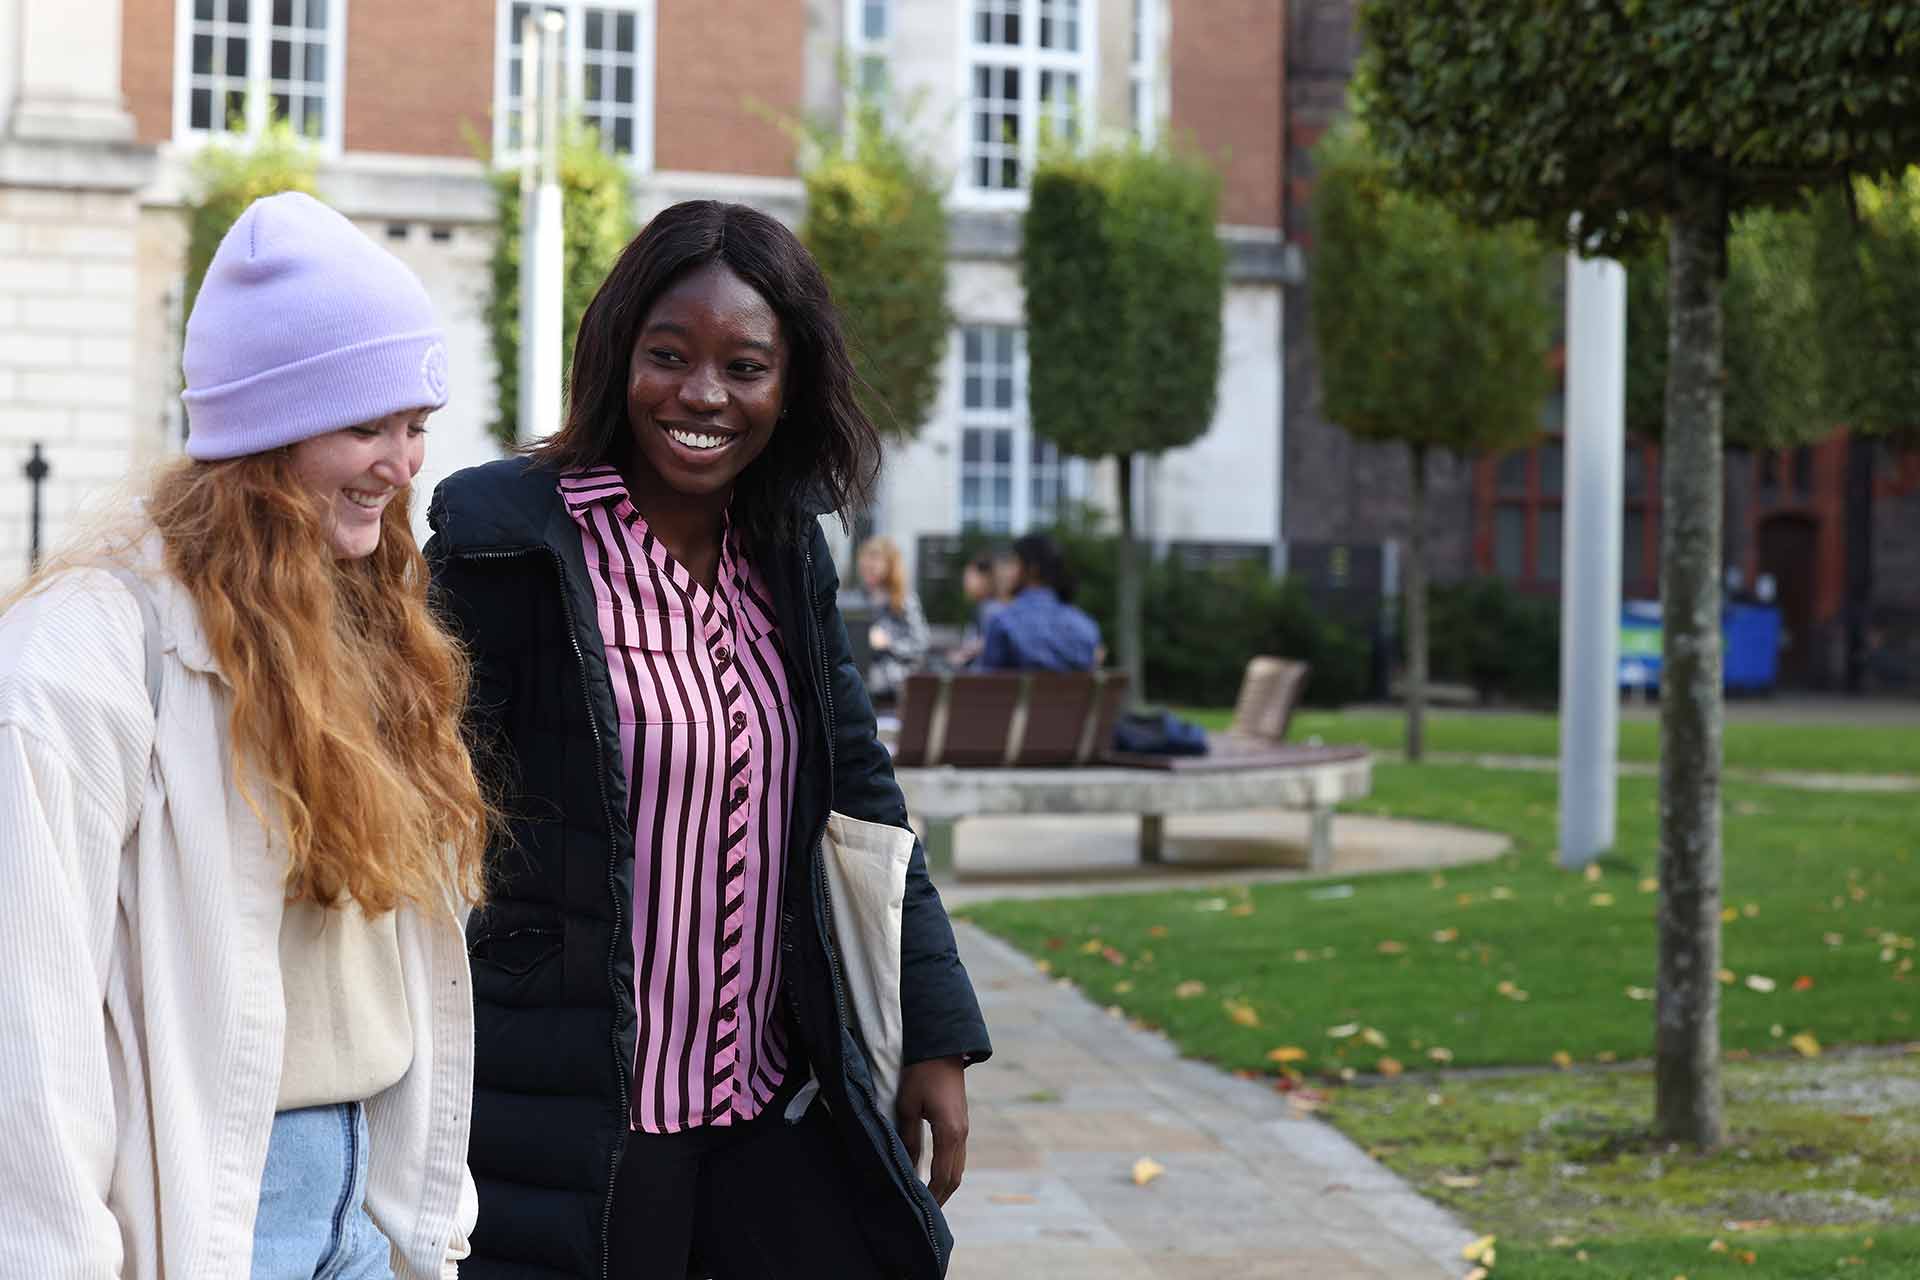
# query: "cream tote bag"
{"type": "Point", "coordinates": [867, 875]}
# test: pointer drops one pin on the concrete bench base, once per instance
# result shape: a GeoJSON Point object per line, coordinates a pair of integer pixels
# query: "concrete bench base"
{"type": "Point", "coordinates": [946, 795]}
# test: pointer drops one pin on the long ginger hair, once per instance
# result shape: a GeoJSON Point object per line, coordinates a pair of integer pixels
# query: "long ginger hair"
{"type": "Point", "coordinates": [884, 551]}
{"type": "Point", "coordinates": [347, 694]}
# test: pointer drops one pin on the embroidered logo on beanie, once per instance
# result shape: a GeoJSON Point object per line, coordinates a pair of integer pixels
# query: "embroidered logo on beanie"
{"type": "Point", "coordinates": [433, 373]}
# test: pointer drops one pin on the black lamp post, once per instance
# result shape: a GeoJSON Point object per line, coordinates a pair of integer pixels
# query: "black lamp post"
{"type": "Point", "coordinates": [37, 472]}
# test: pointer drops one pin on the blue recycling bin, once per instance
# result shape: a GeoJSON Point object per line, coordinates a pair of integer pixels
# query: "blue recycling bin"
{"type": "Point", "coordinates": [1750, 646]}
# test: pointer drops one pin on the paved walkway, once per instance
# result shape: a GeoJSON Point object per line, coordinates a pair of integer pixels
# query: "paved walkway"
{"type": "Point", "coordinates": [1253, 1188]}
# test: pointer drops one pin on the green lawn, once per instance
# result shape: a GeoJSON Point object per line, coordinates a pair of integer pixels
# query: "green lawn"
{"type": "Point", "coordinates": [1822, 748]}
{"type": "Point", "coordinates": [1513, 961]}
{"type": "Point", "coordinates": [1821, 1156]}
{"type": "Point", "coordinates": [1399, 982]}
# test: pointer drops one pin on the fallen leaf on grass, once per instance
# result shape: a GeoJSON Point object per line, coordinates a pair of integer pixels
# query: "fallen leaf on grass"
{"type": "Point", "coordinates": [1761, 983]}
{"type": "Point", "coordinates": [1480, 1250]}
{"type": "Point", "coordinates": [1113, 956]}
{"type": "Point", "coordinates": [1639, 993]}
{"type": "Point", "coordinates": [1748, 1256]}
{"type": "Point", "coordinates": [1244, 909]}
{"type": "Point", "coordinates": [1146, 1169]}
{"type": "Point", "coordinates": [1727, 977]}
{"type": "Point", "coordinates": [1389, 1067]}
{"type": "Point", "coordinates": [1649, 885]}
{"type": "Point", "coordinates": [1716, 1246]}
{"type": "Point", "coordinates": [1374, 1038]}
{"type": "Point", "coordinates": [1803, 983]}
{"type": "Point", "coordinates": [1343, 1031]}
{"type": "Point", "coordinates": [1512, 992]}
{"type": "Point", "coordinates": [1807, 1045]}
{"type": "Point", "coordinates": [1601, 900]}
{"type": "Point", "coordinates": [1043, 966]}
{"type": "Point", "coordinates": [1459, 1181]}
{"type": "Point", "coordinates": [1286, 1053]}
{"type": "Point", "coordinates": [1563, 1060]}
{"type": "Point", "coordinates": [1241, 1012]}
{"type": "Point", "coordinates": [1390, 947]}
{"type": "Point", "coordinates": [1729, 914]}
{"type": "Point", "coordinates": [1188, 990]}
{"type": "Point", "coordinates": [1123, 986]}
{"type": "Point", "coordinates": [1561, 1242]}
{"type": "Point", "coordinates": [1832, 939]}
{"type": "Point", "coordinates": [1157, 931]}
{"type": "Point", "coordinates": [1750, 909]}
{"type": "Point", "coordinates": [1440, 1055]}
{"type": "Point", "coordinates": [1091, 947]}
{"type": "Point", "coordinates": [1592, 872]}
{"type": "Point", "coordinates": [1446, 935]}
{"type": "Point", "coordinates": [1501, 893]}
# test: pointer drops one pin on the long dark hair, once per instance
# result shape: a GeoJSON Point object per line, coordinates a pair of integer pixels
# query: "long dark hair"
{"type": "Point", "coordinates": [824, 457]}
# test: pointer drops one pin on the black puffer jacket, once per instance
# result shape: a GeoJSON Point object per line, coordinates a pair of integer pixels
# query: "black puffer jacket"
{"type": "Point", "coordinates": [552, 970]}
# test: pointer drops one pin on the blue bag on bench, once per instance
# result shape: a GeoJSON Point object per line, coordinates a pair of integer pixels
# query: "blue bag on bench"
{"type": "Point", "coordinates": [1158, 733]}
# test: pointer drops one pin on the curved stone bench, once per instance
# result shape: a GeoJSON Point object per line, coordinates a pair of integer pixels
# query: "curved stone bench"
{"type": "Point", "coordinates": [1311, 778]}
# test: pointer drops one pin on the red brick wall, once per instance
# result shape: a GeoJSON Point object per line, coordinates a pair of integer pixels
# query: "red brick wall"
{"type": "Point", "coordinates": [419, 76]}
{"type": "Point", "coordinates": [722, 65]}
{"type": "Point", "coordinates": [146, 66]}
{"type": "Point", "coordinates": [1229, 89]}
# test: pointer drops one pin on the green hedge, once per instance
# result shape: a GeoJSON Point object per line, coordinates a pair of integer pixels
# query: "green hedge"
{"type": "Point", "coordinates": [1506, 645]}
{"type": "Point", "coordinates": [1199, 625]}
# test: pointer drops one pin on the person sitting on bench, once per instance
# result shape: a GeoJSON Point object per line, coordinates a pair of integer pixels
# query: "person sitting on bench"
{"type": "Point", "coordinates": [1039, 630]}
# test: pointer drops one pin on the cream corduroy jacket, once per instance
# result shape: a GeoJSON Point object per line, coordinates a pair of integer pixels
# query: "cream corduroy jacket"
{"type": "Point", "coordinates": [141, 1015]}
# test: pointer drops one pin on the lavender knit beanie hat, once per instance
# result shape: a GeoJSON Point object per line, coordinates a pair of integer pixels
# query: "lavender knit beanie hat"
{"type": "Point", "coordinates": [304, 326]}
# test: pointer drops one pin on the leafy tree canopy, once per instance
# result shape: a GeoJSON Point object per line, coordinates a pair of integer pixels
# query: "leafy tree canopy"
{"type": "Point", "coordinates": [877, 225]}
{"type": "Point", "coordinates": [1124, 274]}
{"type": "Point", "coordinates": [1430, 332]}
{"type": "Point", "coordinates": [1542, 109]}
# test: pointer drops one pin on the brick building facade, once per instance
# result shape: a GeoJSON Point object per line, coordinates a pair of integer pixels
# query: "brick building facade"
{"type": "Point", "coordinates": [105, 103]}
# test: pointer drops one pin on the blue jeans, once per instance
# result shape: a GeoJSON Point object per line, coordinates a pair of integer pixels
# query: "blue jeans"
{"type": "Point", "coordinates": [313, 1223]}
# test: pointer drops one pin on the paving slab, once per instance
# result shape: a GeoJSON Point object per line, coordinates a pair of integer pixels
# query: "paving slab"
{"type": "Point", "coordinates": [1253, 1188]}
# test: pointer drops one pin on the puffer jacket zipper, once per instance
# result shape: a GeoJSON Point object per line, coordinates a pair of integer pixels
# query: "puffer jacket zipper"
{"type": "Point", "coordinates": [613, 888]}
{"type": "Point", "coordinates": [895, 1148]}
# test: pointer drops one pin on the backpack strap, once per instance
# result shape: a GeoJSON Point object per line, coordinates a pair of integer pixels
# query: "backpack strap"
{"type": "Point", "coordinates": [149, 624]}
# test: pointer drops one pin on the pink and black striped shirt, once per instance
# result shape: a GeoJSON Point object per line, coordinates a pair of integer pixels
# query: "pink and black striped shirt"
{"type": "Point", "coordinates": [708, 740]}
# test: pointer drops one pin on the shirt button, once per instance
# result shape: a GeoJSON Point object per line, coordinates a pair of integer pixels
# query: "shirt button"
{"type": "Point", "coordinates": [739, 721]}
{"type": "Point", "coordinates": [739, 796]}
{"type": "Point", "coordinates": [722, 656]}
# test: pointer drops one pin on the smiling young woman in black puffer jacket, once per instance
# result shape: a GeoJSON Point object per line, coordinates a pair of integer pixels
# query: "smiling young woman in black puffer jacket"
{"type": "Point", "coordinates": [664, 689]}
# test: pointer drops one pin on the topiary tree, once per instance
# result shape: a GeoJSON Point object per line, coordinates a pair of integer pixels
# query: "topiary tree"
{"type": "Point", "coordinates": [596, 218]}
{"type": "Point", "coordinates": [228, 175]}
{"type": "Point", "coordinates": [1125, 276]}
{"type": "Point", "coordinates": [1639, 116]}
{"type": "Point", "coordinates": [1430, 333]}
{"type": "Point", "coordinates": [877, 224]}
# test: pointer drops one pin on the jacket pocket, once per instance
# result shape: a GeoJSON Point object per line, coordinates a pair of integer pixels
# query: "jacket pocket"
{"type": "Point", "coordinates": [516, 952]}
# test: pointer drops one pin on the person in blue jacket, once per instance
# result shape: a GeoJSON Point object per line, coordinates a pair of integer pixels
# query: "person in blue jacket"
{"type": "Point", "coordinates": [1039, 630]}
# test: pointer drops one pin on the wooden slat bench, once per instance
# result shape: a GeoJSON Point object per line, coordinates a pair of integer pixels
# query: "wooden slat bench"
{"type": "Point", "coordinates": [972, 744]}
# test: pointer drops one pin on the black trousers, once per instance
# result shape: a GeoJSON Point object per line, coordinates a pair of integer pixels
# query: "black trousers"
{"type": "Point", "coordinates": [764, 1200]}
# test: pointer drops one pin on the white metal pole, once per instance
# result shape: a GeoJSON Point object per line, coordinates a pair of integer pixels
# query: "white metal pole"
{"type": "Point", "coordinates": [1594, 456]}
{"type": "Point", "coordinates": [542, 261]}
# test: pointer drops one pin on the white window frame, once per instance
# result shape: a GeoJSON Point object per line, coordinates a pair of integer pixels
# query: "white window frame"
{"type": "Point", "coordinates": [861, 47]}
{"type": "Point", "coordinates": [1145, 58]}
{"type": "Point", "coordinates": [572, 72]}
{"type": "Point", "coordinates": [1030, 60]}
{"type": "Point", "coordinates": [1014, 420]}
{"type": "Point", "coordinates": [259, 79]}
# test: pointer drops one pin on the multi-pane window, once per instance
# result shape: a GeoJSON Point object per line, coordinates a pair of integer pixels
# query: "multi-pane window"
{"type": "Point", "coordinates": [251, 62]}
{"type": "Point", "coordinates": [1143, 60]}
{"type": "Point", "coordinates": [1030, 79]}
{"type": "Point", "coordinates": [606, 73]}
{"type": "Point", "coordinates": [1010, 480]}
{"type": "Point", "coordinates": [869, 27]}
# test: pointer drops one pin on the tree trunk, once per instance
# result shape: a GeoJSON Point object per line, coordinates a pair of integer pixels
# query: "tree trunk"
{"type": "Point", "coordinates": [1416, 605]}
{"type": "Point", "coordinates": [1687, 1094]}
{"type": "Point", "coordinates": [1127, 643]}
